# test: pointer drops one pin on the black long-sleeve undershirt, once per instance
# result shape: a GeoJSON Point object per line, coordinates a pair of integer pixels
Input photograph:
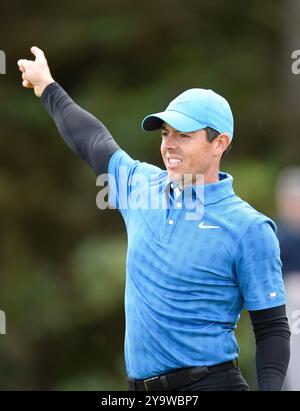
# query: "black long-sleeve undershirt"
{"type": "Point", "coordinates": [89, 138]}
{"type": "Point", "coordinates": [272, 335]}
{"type": "Point", "coordinates": [81, 131]}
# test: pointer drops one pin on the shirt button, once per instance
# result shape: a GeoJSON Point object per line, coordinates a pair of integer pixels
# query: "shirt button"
{"type": "Point", "coordinates": [171, 222]}
{"type": "Point", "coordinates": [172, 185]}
{"type": "Point", "coordinates": [178, 205]}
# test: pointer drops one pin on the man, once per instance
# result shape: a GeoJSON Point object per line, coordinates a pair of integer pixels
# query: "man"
{"type": "Point", "coordinates": [195, 261]}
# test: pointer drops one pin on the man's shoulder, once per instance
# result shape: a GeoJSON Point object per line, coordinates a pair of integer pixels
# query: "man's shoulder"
{"type": "Point", "coordinates": [122, 159]}
{"type": "Point", "coordinates": [247, 215]}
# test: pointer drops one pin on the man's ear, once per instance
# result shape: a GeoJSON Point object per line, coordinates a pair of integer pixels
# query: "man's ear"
{"type": "Point", "coordinates": [221, 143]}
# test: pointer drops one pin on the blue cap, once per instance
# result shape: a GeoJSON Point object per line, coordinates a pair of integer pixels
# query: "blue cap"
{"type": "Point", "coordinates": [193, 110]}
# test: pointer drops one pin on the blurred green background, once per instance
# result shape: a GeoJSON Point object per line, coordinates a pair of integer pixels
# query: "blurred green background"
{"type": "Point", "coordinates": [62, 265]}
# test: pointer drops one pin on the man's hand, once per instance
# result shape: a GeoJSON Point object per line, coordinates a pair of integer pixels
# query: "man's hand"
{"type": "Point", "coordinates": [36, 74]}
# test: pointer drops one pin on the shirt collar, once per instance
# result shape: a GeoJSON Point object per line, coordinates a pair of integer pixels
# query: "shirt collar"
{"type": "Point", "coordinates": [213, 192]}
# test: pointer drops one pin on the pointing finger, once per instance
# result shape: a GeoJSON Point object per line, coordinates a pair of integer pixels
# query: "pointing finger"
{"type": "Point", "coordinates": [22, 64]}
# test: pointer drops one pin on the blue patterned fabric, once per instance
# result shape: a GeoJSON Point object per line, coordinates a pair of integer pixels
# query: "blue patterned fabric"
{"type": "Point", "coordinates": [187, 280]}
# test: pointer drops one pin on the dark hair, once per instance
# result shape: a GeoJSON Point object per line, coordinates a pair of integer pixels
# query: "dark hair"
{"type": "Point", "coordinates": [211, 134]}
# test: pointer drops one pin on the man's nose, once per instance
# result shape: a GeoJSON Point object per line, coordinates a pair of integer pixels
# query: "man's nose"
{"type": "Point", "coordinates": [170, 141]}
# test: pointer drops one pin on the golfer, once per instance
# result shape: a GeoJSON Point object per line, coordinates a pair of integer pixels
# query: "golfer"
{"type": "Point", "coordinates": [195, 261]}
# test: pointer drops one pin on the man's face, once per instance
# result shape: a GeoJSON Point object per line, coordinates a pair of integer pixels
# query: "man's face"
{"type": "Point", "coordinates": [188, 153]}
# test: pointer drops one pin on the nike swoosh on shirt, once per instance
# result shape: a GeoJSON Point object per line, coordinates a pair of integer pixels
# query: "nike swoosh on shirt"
{"type": "Point", "coordinates": [203, 226]}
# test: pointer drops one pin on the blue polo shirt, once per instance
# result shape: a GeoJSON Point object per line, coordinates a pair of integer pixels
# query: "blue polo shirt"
{"type": "Point", "coordinates": [187, 280]}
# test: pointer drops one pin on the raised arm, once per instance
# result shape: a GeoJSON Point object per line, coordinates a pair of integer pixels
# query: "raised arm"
{"type": "Point", "coordinates": [81, 131]}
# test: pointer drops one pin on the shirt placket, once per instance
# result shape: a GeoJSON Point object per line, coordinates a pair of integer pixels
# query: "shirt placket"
{"type": "Point", "coordinates": [172, 215]}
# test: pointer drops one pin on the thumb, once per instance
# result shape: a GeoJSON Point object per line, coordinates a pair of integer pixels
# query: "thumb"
{"type": "Point", "coordinates": [39, 54]}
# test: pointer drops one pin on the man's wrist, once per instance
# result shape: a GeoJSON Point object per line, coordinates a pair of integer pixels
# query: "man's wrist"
{"type": "Point", "coordinates": [40, 88]}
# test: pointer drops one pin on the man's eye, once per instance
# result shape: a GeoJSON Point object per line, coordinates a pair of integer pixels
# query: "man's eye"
{"type": "Point", "coordinates": [164, 135]}
{"type": "Point", "coordinates": [184, 135]}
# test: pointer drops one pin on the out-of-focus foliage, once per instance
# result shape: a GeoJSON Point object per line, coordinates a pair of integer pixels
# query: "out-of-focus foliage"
{"type": "Point", "coordinates": [62, 264]}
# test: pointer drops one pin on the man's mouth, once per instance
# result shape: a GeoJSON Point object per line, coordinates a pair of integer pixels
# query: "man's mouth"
{"type": "Point", "coordinates": [173, 162]}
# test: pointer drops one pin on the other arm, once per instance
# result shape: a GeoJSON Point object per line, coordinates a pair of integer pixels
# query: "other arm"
{"type": "Point", "coordinates": [272, 335]}
{"type": "Point", "coordinates": [261, 285]}
{"type": "Point", "coordinates": [81, 131]}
